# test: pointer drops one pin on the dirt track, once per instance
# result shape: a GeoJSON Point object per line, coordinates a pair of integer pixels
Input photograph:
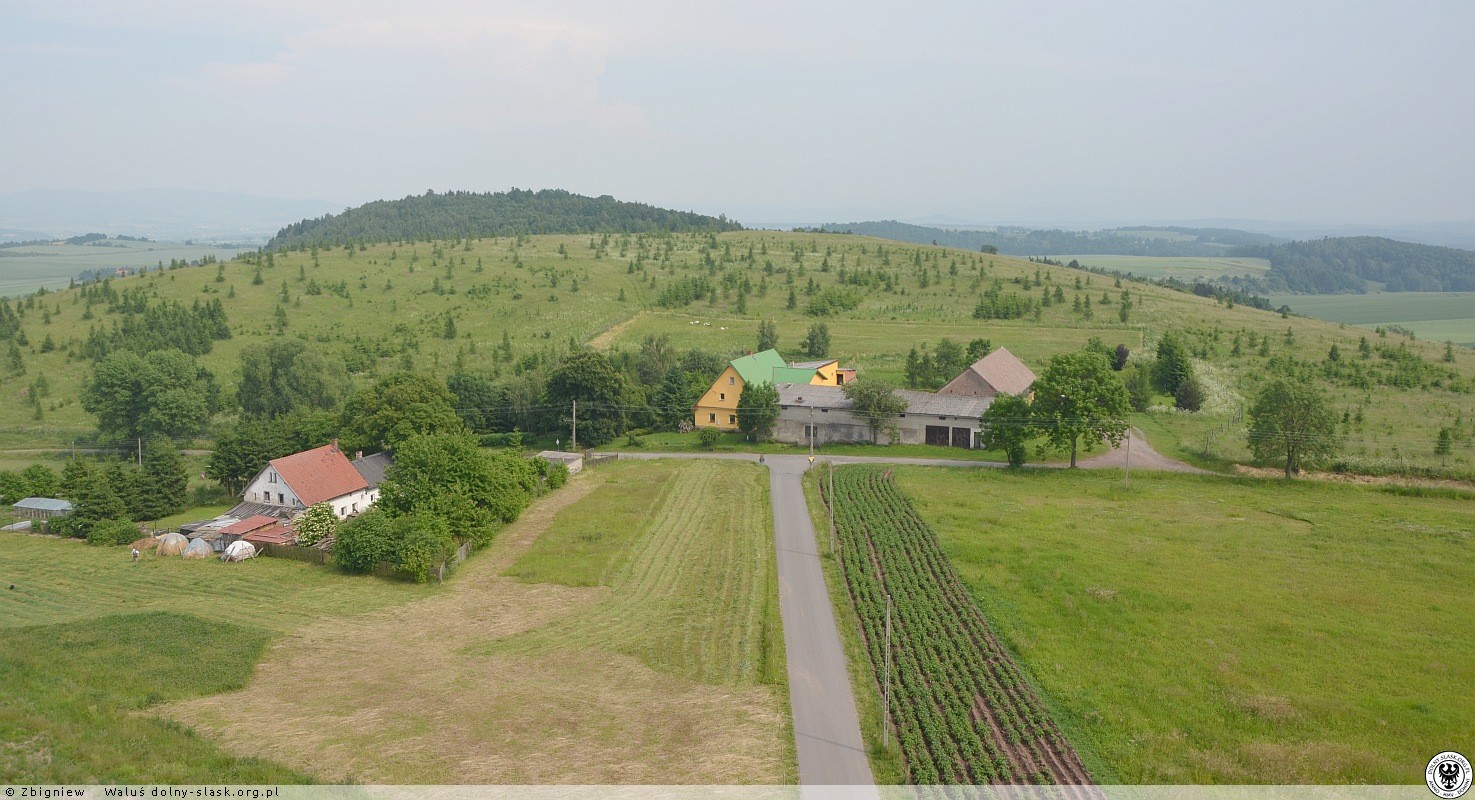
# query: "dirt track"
{"type": "Point", "coordinates": [1143, 457]}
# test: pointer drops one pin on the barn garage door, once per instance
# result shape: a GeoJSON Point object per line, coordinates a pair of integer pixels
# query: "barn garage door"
{"type": "Point", "coordinates": [962, 437]}
{"type": "Point", "coordinates": [938, 435]}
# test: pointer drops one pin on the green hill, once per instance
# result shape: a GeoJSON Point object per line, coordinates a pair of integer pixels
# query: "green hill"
{"type": "Point", "coordinates": [508, 309]}
{"type": "Point", "coordinates": [1352, 263]}
{"type": "Point", "coordinates": [455, 215]}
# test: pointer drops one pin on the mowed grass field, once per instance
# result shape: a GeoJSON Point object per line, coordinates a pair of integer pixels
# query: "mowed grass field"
{"type": "Point", "coordinates": [1202, 629]}
{"type": "Point", "coordinates": [91, 642]}
{"type": "Point", "coordinates": [1436, 316]}
{"type": "Point", "coordinates": [1184, 268]}
{"type": "Point", "coordinates": [638, 643]}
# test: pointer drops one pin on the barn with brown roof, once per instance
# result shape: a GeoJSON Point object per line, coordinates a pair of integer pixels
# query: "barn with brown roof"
{"type": "Point", "coordinates": [999, 372]}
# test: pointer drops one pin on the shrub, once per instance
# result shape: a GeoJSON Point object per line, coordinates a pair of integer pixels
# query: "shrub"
{"type": "Point", "coordinates": [364, 542]}
{"type": "Point", "coordinates": [112, 532]}
{"type": "Point", "coordinates": [317, 523]}
{"type": "Point", "coordinates": [556, 475]}
{"type": "Point", "coordinates": [708, 438]}
{"type": "Point", "coordinates": [423, 541]}
{"type": "Point", "coordinates": [1190, 395]}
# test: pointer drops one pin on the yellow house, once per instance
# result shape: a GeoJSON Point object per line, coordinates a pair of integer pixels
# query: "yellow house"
{"type": "Point", "coordinates": [717, 408]}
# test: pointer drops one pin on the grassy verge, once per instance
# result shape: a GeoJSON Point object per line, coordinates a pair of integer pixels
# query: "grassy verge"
{"type": "Point", "coordinates": [70, 693]}
{"type": "Point", "coordinates": [1199, 629]}
{"type": "Point", "coordinates": [886, 763]}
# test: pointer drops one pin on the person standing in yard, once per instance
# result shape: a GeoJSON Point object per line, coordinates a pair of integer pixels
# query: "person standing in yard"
{"type": "Point", "coordinates": [135, 554]}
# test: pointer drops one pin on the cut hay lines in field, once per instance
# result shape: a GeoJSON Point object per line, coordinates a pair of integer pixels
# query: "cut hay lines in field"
{"type": "Point", "coordinates": [689, 597]}
{"type": "Point", "coordinates": [424, 692]}
{"type": "Point", "coordinates": [60, 580]}
{"type": "Point", "coordinates": [962, 709]}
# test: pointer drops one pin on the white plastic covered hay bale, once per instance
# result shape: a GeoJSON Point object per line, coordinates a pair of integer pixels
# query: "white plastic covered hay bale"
{"type": "Point", "coordinates": [172, 544]}
{"type": "Point", "coordinates": [238, 551]}
{"type": "Point", "coordinates": [198, 548]}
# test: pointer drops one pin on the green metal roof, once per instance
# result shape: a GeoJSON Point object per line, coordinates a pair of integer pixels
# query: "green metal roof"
{"type": "Point", "coordinates": [759, 367]}
{"type": "Point", "coordinates": [792, 374]}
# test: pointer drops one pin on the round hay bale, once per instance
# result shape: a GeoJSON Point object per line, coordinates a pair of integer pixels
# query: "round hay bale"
{"type": "Point", "coordinates": [146, 543]}
{"type": "Point", "coordinates": [172, 544]}
{"type": "Point", "coordinates": [198, 548]}
{"type": "Point", "coordinates": [238, 551]}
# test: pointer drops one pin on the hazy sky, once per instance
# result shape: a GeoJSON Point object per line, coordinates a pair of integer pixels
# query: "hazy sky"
{"type": "Point", "coordinates": [1320, 112]}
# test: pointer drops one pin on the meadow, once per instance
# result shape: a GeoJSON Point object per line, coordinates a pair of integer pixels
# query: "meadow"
{"type": "Point", "coordinates": [515, 304]}
{"type": "Point", "coordinates": [92, 644]}
{"type": "Point", "coordinates": [624, 630]}
{"type": "Point", "coordinates": [1435, 316]}
{"type": "Point", "coordinates": [1195, 629]}
{"type": "Point", "coordinates": [24, 269]}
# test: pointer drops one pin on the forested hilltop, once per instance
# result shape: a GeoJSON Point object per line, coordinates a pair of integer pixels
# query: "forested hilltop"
{"type": "Point", "coordinates": [457, 215]}
{"type": "Point", "coordinates": [1347, 264]}
{"type": "Point", "coordinates": [1135, 241]}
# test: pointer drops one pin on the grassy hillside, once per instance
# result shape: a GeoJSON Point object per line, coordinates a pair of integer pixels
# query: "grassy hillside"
{"type": "Point", "coordinates": [519, 302]}
{"type": "Point", "coordinates": [1199, 629]}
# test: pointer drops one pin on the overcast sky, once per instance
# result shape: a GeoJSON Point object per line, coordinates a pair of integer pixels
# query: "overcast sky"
{"type": "Point", "coordinates": [1335, 112]}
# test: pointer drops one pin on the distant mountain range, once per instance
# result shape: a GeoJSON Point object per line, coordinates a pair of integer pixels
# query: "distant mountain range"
{"type": "Point", "coordinates": [1134, 241]}
{"type": "Point", "coordinates": [160, 214]}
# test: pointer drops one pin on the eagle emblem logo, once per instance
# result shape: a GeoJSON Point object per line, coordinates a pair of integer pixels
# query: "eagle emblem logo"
{"type": "Point", "coordinates": [1448, 775]}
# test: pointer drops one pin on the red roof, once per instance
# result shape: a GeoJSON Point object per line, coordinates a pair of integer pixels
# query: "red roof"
{"type": "Point", "coordinates": [250, 524]}
{"type": "Point", "coordinates": [281, 534]}
{"type": "Point", "coordinates": [322, 473]}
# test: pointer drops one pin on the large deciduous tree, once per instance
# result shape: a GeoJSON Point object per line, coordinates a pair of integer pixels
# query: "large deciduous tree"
{"type": "Point", "coordinates": [817, 341]}
{"type": "Point", "coordinates": [395, 408]}
{"type": "Point", "coordinates": [1007, 426]}
{"type": "Point", "coordinates": [590, 379]}
{"type": "Point", "coordinates": [449, 476]}
{"type": "Point", "coordinates": [876, 402]}
{"type": "Point", "coordinates": [162, 394]}
{"type": "Point", "coordinates": [1080, 402]}
{"type": "Point", "coordinates": [1291, 419]}
{"type": "Point", "coordinates": [287, 374]}
{"type": "Point", "coordinates": [757, 410]}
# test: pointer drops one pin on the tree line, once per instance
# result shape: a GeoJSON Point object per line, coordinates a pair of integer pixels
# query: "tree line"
{"type": "Point", "coordinates": [1348, 264]}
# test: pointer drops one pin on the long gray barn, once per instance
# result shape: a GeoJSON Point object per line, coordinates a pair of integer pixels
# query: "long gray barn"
{"type": "Point", "coordinates": [947, 420]}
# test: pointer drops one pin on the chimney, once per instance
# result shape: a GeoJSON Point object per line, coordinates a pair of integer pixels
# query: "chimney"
{"type": "Point", "coordinates": [335, 443]}
{"type": "Point", "coordinates": [358, 455]}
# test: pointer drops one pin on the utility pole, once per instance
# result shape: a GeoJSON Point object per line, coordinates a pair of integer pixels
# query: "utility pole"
{"type": "Point", "coordinates": [1127, 476]}
{"type": "Point", "coordinates": [811, 434]}
{"type": "Point", "coordinates": [573, 442]}
{"type": "Point", "coordinates": [833, 548]}
{"type": "Point", "coordinates": [140, 451]}
{"type": "Point", "coordinates": [886, 690]}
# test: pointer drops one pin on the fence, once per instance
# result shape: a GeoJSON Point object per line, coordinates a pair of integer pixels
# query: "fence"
{"type": "Point", "coordinates": [311, 555]}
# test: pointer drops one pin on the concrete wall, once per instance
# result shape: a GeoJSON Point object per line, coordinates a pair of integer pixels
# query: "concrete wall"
{"type": "Point", "coordinates": [841, 426]}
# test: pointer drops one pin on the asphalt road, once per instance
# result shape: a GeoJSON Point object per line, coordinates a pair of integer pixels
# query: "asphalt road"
{"type": "Point", "coordinates": [826, 726]}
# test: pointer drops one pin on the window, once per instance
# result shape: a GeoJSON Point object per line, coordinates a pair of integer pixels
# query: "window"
{"type": "Point", "coordinates": [722, 395]}
{"type": "Point", "coordinates": [839, 379]}
{"type": "Point", "coordinates": [271, 477]}
{"type": "Point", "coordinates": [731, 419]}
{"type": "Point", "coordinates": [730, 380]}
{"type": "Point", "coordinates": [711, 417]}
{"type": "Point", "coordinates": [281, 501]}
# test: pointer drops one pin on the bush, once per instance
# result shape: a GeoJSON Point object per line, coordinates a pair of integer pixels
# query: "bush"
{"type": "Point", "coordinates": [317, 523]}
{"type": "Point", "coordinates": [708, 438]}
{"type": "Point", "coordinates": [364, 542]}
{"type": "Point", "coordinates": [556, 475]}
{"type": "Point", "coordinates": [631, 440]}
{"type": "Point", "coordinates": [112, 532]}
{"type": "Point", "coordinates": [423, 541]}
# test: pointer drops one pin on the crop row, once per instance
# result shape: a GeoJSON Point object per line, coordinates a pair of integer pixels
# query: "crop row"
{"type": "Point", "coordinates": [961, 709]}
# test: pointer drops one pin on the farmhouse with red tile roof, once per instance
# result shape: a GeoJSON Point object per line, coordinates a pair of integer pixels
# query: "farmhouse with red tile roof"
{"type": "Point", "coordinates": [292, 483]}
